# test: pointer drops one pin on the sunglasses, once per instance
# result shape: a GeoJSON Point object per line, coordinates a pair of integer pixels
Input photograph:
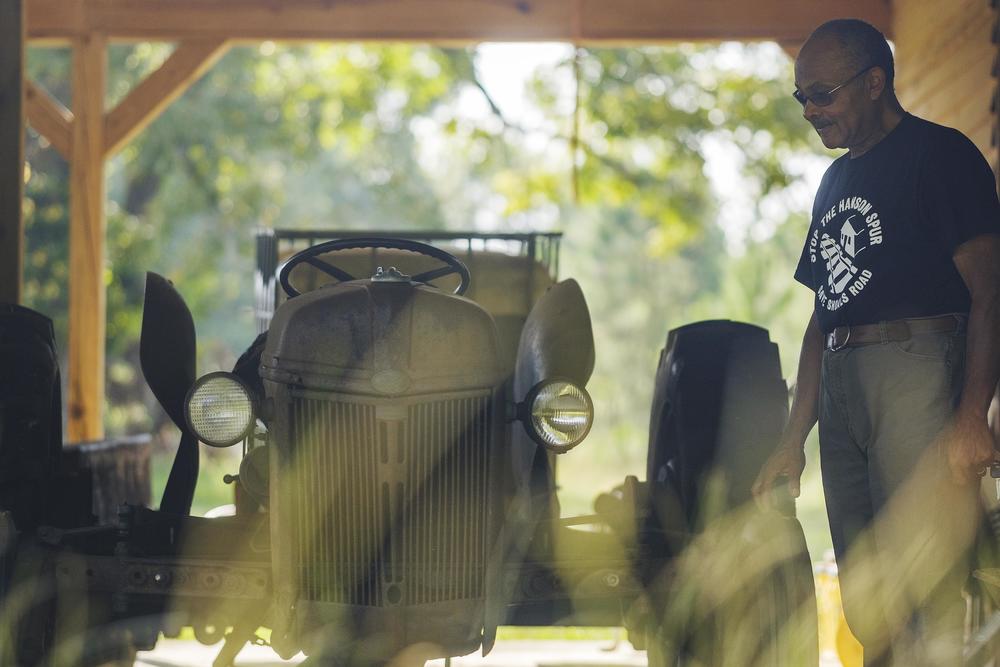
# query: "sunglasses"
{"type": "Point", "coordinates": [825, 99]}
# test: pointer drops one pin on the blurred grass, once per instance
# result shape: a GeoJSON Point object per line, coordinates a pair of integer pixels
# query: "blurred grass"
{"type": "Point", "coordinates": [597, 467]}
{"type": "Point", "coordinates": [583, 474]}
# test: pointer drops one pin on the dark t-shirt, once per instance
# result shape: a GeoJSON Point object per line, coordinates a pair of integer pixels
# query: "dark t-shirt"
{"type": "Point", "coordinates": [885, 226]}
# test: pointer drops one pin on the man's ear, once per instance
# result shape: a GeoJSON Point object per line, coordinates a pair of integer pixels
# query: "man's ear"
{"type": "Point", "coordinates": [875, 82]}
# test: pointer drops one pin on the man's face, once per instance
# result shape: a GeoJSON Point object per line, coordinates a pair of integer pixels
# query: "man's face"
{"type": "Point", "coordinates": [821, 67]}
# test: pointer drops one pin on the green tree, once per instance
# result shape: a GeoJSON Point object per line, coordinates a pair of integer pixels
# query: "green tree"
{"type": "Point", "coordinates": [627, 173]}
{"type": "Point", "coordinates": [352, 136]}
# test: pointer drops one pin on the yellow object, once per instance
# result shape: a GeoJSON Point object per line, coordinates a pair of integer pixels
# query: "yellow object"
{"type": "Point", "coordinates": [848, 647]}
{"type": "Point", "coordinates": [834, 636]}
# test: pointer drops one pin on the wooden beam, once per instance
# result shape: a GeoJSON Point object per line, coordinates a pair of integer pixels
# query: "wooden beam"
{"type": "Point", "coordinates": [141, 107]}
{"type": "Point", "coordinates": [463, 21]}
{"type": "Point", "coordinates": [710, 20]}
{"type": "Point", "coordinates": [86, 243]}
{"type": "Point", "coordinates": [791, 49]}
{"type": "Point", "coordinates": [49, 117]}
{"type": "Point", "coordinates": [65, 19]}
{"type": "Point", "coordinates": [12, 38]}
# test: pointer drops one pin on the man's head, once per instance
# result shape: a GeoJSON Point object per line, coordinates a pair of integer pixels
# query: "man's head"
{"type": "Point", "coordinates": [844, 78]}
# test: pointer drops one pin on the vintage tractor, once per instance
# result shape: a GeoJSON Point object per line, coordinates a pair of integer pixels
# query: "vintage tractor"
{"type": "Point", "coordinates": [401, 414]}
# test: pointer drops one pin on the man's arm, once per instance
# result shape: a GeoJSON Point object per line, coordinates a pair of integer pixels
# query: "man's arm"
{"type": "Point", "coordinates": [788, 459]}
{"type": "Point", "coordinates": [970, 443]}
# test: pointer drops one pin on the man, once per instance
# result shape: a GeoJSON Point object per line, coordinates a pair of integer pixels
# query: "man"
{"type": "Point", "coordinates": [900, 358]}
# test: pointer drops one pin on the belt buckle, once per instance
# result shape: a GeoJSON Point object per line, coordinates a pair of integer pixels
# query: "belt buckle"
{"type": "Point", "coordinates": [833, 340]}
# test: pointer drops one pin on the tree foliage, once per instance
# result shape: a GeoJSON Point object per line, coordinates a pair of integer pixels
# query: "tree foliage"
{"type": "Point", "coordinates": [409, 136]}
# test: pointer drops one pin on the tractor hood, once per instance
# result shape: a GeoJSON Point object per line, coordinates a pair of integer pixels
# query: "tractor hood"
{"type": "Point", "coordinates": [382, 339]}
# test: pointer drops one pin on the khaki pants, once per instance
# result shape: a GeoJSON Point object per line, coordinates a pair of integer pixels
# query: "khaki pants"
{"type": "Point", "coordinates": [901, 528]}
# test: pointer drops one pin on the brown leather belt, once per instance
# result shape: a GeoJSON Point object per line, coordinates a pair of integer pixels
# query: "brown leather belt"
{"type": "Point", "coordinates": [895, 330]}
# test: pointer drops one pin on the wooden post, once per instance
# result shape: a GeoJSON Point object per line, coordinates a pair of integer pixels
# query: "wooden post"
{"type": "Point", "coordinates": [87, 303]}
{"type": "Point", "coordinates": [11, 149]}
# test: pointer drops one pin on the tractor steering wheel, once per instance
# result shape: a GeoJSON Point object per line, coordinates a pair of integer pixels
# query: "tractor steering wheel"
{"type": "Point", "coordinates": [311, 256]}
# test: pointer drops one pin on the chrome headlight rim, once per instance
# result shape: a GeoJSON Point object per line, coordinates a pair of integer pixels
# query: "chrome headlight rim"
{"type": "Point", "coordinates": [525, 414]}
{"type": "Point", "coordinates": [251, 398]}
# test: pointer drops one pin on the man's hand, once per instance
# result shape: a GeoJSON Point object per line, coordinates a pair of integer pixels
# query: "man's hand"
{"type": "Point", "coordinates": [787, 461]}
{"type": "Point", "coordinates": [968, 444]}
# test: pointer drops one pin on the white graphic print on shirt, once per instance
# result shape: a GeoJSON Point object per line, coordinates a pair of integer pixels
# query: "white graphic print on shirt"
{"type": "Point", "coordinates": [857, 228]}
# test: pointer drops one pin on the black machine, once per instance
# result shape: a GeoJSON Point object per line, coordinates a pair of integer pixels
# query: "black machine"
{"type": "Point", "coordinates": [401, 414]}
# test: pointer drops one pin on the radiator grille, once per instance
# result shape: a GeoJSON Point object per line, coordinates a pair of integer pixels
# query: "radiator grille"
{"type": "Point", "coordinates": [389, 511]}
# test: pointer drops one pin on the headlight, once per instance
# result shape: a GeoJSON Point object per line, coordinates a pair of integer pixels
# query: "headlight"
{"type": "Point", "coordinates": [558, 414]}
{"type": "Point", "coordinates": [220, 409]}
